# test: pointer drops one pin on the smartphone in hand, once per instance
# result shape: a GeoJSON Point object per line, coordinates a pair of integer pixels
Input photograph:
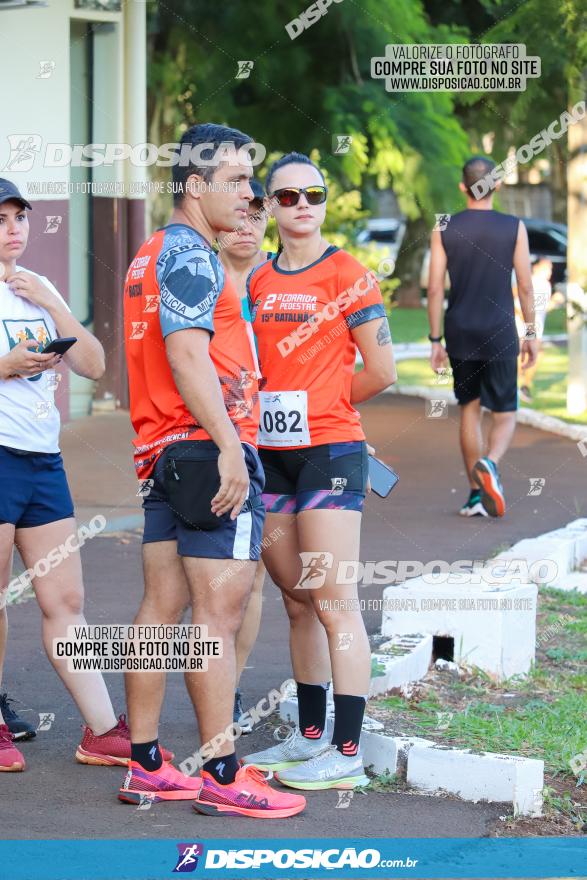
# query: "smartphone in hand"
{"type": "Point", "coordinates": [382, 477]}
{"type": "Point", "coordinates": [60, 345]}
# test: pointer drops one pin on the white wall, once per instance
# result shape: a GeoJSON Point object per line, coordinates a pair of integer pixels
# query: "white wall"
{"type": "Point", "coordinates": [35, 106]}
{"type": "Point", "coordinates": [41, 108]}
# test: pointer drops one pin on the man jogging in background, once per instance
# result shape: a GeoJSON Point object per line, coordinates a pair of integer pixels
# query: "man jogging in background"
{"type": "Point", "coordinates": [479, 247]}
{"type": "Point", "coordinates": [194, 406]}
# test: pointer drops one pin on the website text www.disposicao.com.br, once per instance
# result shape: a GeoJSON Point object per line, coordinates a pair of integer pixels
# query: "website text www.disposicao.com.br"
{"type": "Point", "coordinates": [332, 858]}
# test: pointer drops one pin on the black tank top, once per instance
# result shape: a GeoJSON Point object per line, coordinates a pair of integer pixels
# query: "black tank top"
{"type": "Point", "coordinates": [479, 323]}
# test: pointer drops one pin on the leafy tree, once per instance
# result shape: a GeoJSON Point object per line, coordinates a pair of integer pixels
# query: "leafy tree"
{"type": "Point", "coordinates": [556, 31]}
{"type": "Point", "coordinates": [303, 92]}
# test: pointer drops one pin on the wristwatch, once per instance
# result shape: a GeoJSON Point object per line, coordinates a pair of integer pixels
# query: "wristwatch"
{"type": "Point", "coordinates": [434, 338]}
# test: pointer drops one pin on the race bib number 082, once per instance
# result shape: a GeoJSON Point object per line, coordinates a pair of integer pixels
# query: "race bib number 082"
{"type": "Point", "coordinates": [284, 418]}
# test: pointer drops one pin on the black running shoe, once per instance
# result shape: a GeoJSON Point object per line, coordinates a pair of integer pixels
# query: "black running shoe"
{"type": "Point", "coordinates": [245, 725]}
{"type": "Point", "coordinates": [19, 729]}
{"type": "Point", "coordinates": [473, 505]}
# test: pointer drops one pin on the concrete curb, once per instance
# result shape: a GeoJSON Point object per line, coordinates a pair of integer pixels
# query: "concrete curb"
{"type": "Point", "coordinates": [566, 548]}
{"type": "Point", "coordinates": [404, 659]}
{"type": "Point", "coordinates": [526, 416]}
{"type": "Point", "coordinates": [492, 625]}
{"type": "Point", "coordinates": [543, 422]}
{"type": "Point", "coordinates": [479, 777]}
{"type": "Point", "coordinates": [407, 351]}
{"type": "Point", "coordinates": [484, 776]}
{"type": "Point", "coordinates": [388, 755]}
{"type": "Point", "coordinates": [423, 763]}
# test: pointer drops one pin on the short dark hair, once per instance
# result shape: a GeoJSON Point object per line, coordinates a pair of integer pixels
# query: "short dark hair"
{"type": "Point", "coordinates": [476, 168]}
{"type": "Point", "coordinates": [257, 187]}
{"type": "Point", "coordinates": [290, 159]}
{"type": "Point", "coordinates": [204, 133]}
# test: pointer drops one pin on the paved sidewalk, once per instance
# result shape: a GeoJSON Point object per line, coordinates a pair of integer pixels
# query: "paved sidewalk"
{"type": "Point", "coordinates": [98, 458]}
{"type": "Point", "coordinates": [419, 521]}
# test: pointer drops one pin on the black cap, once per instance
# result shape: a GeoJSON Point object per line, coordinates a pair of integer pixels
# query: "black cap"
{"type": "Point", "coordinates": [9, 193]}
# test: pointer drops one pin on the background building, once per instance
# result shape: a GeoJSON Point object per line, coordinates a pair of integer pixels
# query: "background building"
{"type": "Point", "coordinates": [78, 74]}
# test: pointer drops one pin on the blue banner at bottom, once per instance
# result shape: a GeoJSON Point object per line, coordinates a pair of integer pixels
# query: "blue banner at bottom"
{"type": "Point", "coordinates": [380, 859]}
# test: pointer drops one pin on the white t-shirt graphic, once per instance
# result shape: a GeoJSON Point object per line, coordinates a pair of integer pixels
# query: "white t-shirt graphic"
{"type": "Point", "coordinates": [29, 418]}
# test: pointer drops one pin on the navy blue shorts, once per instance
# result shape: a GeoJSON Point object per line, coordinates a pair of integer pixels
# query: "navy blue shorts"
{"type": "Point", "coordinates": [239, 538]}
{"type": "Point", "coordinates": [332, 476]}
{"type": "Point", "coordinates": [34, 490]}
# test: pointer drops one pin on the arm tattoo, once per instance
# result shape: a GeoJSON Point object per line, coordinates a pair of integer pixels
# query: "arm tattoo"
{"type": "Point", "coordinates": [383, 334]}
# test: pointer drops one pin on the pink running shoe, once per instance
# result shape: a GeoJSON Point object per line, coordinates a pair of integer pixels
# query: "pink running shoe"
{"type": "Point", "coordinates": [11, 760]}
{"type": "Point", "coordinates": [164, 784]}
{"type": "Point", "coordinates": [110, 748]}
{"type": "Point", "coordinates": [248, 795]}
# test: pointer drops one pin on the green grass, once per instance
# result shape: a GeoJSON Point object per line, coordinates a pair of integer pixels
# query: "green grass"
{"type": "Point", "coordinates": [416, 372]}
{"type": "Point", "coordinates": [408, 325]}
{"type": "Point", "coordinates": [556, 322]}
{"type": "Point", "coordinates": [411, 325]}
{"type": "Point", "coordinates": [542, 715]}
{"type": "Point", "coordinates": [384, 782]}
{"type": "Point", "coordinates": [552, 731]}
{"type": "Point", "coordinates": [550, 385]}
{"type": "Point", "coordinates": [550, 382]}
{"type": "Point", "coordinates": [563, 805]}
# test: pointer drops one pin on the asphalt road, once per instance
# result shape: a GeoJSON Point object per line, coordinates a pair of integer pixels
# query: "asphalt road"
{"type": "Point", "coordinates": [57, 798]}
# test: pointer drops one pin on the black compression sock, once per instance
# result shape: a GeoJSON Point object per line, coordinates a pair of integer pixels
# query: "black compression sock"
{"type": "Point", "coordinates": [147, 755]}
{"type": "Point", "coordinates": [348, 720]}
{"type": "Point", "coordinates": [223, 769]}
{"type": "Point", "coordinates": [312, 709]}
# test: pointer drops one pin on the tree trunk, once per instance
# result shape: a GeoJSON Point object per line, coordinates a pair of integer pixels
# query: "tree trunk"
{"type": "Point", "coordinates": [409, 263]}
{"type": "Point", "coordinates": [577, 269]}
{"type": "Point", "coordinates": [559, 182]}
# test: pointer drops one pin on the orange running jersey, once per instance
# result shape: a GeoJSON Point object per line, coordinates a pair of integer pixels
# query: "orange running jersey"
{"type": "Point", "coordinates": [176, 282]}
{"type": "Point", "coordinates": [303, 321]}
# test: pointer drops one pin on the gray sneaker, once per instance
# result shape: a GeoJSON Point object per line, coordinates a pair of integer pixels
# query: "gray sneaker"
{"type": "Point", "coordinates": [329, 769]}
{"type": "Point", "coordinates": [293, 750]}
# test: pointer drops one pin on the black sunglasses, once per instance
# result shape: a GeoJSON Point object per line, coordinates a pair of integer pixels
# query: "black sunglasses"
{"type": "Point", "coordinates": [290, 195]}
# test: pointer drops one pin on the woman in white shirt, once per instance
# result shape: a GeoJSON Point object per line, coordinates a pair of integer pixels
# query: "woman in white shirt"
{"type": "Point", "coordinates": [36, 510]}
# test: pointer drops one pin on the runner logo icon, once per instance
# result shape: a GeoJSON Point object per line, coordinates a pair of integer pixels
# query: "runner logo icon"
{"type": "Point", "coordinates": [187, 860]}
{"type": "Point", "coordinates": [314, 567]}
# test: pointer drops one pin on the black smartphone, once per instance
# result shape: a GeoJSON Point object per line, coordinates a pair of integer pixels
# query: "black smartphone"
{"type": "Point", "coordinates": [60, 346]}
{"type": "Point", "coordinates": [383, 478]}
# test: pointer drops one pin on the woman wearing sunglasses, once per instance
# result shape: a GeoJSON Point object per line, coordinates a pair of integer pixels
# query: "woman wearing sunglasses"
{"type": "Point", "coordinates": [240, 252]}
{"type": "Point", "coordinates": [312, 306]}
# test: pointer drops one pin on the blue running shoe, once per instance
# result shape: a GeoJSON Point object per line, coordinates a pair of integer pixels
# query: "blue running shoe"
{"type": "Point", "coordinates": [486, 475]}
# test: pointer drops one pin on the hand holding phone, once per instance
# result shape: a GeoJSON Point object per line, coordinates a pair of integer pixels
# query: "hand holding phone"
{"type": "Point", "coordinates": [60, 345]}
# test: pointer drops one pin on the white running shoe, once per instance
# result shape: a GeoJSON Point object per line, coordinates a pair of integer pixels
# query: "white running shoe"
{"type": "Point", "coordinates": [291, 751]}
{"type": "Point", "coordinates": [329, 769]}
